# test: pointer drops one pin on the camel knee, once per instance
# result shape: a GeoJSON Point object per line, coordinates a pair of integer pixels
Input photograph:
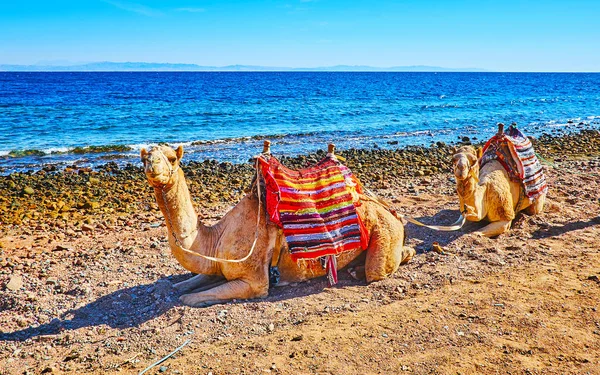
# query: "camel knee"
{"type": "Point", "coordinates": [382, 262]}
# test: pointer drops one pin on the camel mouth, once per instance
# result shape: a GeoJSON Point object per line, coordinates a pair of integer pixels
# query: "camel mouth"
{"type": "Point", "coordinates": [156, 178]}
{"type": "Point", "coordinates": [460, 172]}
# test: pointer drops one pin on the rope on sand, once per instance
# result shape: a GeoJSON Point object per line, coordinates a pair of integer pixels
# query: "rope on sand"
{"type": "Point", "coordinates": [165, 358]}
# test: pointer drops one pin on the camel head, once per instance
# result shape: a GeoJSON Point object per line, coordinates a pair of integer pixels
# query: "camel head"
{"type": "Point", "coordinates": [465, 162]}
{"type": "Point", "coordinates": [160, 165]}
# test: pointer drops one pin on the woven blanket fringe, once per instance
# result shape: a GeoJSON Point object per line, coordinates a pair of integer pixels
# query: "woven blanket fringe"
{"type": "Point", "coordinates": [331, 270]}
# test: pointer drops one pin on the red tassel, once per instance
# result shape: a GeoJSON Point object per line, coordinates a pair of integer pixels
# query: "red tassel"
{"type": "Point", "coordinates": [332, 270]}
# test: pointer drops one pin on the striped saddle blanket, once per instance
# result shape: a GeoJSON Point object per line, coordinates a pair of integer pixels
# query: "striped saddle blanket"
{"type": "Point", "coordinates": [315, 207]}
{"type": "Point", "coordinates": [515, 152]}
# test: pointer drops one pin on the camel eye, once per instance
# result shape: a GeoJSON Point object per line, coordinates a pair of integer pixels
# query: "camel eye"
{"type": "Point", "coordinates": [172, 159]}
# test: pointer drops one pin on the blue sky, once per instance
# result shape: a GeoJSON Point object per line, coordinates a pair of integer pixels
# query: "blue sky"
{"type": "Point", "coordinates": [496, 35]}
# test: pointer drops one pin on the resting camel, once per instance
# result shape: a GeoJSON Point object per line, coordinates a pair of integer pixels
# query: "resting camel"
{"type": "Point", "coordinates": [232, 238]}
{"type": "Point", "coordinates": [489, 193]}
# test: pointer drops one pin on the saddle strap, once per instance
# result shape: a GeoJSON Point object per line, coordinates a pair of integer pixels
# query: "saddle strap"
{"type": "Point", "coordinates": [277, 251]}
{"type": "Point", "coordinates": [274, 274]}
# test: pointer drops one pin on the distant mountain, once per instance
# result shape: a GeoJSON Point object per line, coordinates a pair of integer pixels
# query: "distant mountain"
{"type": "Point", "coordinates": [107, 66]}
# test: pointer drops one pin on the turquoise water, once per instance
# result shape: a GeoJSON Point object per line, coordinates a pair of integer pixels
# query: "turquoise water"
{"type": "Point", "coordinates": [91, 118]}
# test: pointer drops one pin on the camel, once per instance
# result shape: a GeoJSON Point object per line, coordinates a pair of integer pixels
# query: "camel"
{"type": "Point", "coordinates": [232, 237]}
{"type": "Point", "coordinates": [489, 193]}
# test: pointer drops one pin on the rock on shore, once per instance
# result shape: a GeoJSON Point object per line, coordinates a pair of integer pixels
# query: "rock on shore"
{"type": "Point", "coordinates": [84, 198]}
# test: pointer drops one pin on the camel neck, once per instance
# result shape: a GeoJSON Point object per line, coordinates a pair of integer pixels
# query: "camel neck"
{"type": "Point", "coordinates": [176, 205]}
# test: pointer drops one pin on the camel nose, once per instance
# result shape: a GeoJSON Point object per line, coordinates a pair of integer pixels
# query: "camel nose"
{"type": "Point", "coordinates": [461, 169]}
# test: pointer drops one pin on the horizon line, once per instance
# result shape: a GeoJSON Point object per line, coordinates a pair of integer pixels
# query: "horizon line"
{"type": "Point", "coordinates": [133, 66]}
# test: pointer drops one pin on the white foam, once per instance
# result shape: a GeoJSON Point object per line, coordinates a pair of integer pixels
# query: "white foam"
{"type": "Point", "coordinates": [140, 146]}
{"type": "Point", "coordinates": [184, 144]}
{"type": "Point", "coordinates": [4, 153]}
{"type": "Point", "coordinates": [52, 150]}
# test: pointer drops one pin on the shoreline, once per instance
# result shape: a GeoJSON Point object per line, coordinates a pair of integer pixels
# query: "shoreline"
{"type": "Point", "coordinates": [231, 149]}
{"type": "Point", "coordinates": [86, 197]}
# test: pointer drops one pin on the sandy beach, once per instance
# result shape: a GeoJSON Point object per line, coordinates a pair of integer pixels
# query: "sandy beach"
{"type": "Point", "coordinates": [86, 279]}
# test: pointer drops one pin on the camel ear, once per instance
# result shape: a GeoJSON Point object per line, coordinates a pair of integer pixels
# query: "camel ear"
{"type": "Point", "coordinates": [143, 155]}
{"type": "Point", "coordinates": [179, 152]}
{"type": "Point", "coordinates": [479, 152]}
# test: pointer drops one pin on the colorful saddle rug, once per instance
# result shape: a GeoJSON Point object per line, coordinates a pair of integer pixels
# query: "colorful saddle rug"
{"type": "Point", "coordinates": [316, 207]}
{"type": "Point", "coordinates": [515, 152]}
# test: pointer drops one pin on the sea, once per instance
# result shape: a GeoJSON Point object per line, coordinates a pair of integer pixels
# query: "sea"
{"type": "Point", "coordinates": [91, 118]}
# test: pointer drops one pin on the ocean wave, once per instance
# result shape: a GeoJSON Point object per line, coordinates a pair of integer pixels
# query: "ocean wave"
{"type": "Point", "coordinates": [56, 150]}
{"type": "Point", "coordinates": [66, 150]}
{"type": "Point", "coordinates": [258, 137]}
{"type": "Point", "coordinates": [139, 146]}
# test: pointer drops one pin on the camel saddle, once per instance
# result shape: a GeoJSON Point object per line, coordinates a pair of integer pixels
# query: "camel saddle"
{"type": "Point", "coordinates": [316, 209]}
{"type": "Point", "coordinates": [516, 154]}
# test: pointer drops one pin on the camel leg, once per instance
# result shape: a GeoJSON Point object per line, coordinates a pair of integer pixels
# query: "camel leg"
{"type": "Point", "coordinates": [385, 253]}
{"type": "Point", "coordinates": [194, 282]}
{"type": "Point", "coordinates": [208, 286]}
{"type": "Point", "coordinates": [234, 289]}
{"type": "Point", "coordinates": [493, 229]}
{"type": "Point", "coordinates": [537, 206]}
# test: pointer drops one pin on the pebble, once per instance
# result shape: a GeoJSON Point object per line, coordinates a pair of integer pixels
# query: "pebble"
{"type": "Point", "coordinates": [163, 368]}
{"type": "Point", "coordinates": [15, 283]}
{"type": "Point", "coordinates": [61, 198]}
{"type": "Point", "coordinates": [22, 322]}
{"type": "Point", "coordinates": [62, 247]}
{"type": "Point", "coordinates": [52, 281]}
{"type": "Point", "coordinates": [87, 228]}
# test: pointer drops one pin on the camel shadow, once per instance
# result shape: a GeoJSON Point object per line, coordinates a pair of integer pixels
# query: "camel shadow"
{"type": "Point", "coordinates": [444, 218]}
{"type": "Point", "coordinates": [556, 230]}
{"type": "Point", "coordinates": [124, 308]}
{"type": "Point", "coordinates": [133, 306]}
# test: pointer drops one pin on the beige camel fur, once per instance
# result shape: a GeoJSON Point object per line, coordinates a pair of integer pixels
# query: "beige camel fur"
{"type": "Point", "coordinates": [489, 193]}
{"type": "Point", "coordinates": [233, 235]}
